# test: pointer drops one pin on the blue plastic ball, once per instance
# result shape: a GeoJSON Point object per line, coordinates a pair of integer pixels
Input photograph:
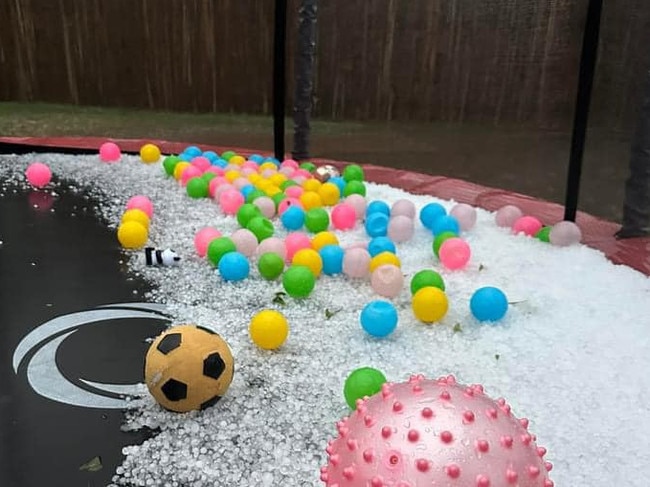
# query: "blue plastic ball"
{"type": "Point", "coordinates": [376, 225]}
{"type": "Point", "coordinates": [339, 181]}
{"type": "Point", "coordinates": [234, 266]}
{"type": "Point", "coordinates": [193, 151]}
{"type": "Point", "coordinates": [293, 218]}
{"type": "Point", "coordinates": [332, 257]}
{"type": "Point", "coordinates": [381, 244]}
{"type": "Point", "coordinates": [256, 158]}
{"type": "Point", "coordinates": [220, 162]}
{"type": "Point", "coordinates": [446, 223]}
{"type": "Point", "coordinates": [185, 157]}
{"type": "Point", "coordinates": [488, 304]}
{"type": "Point", "coordinates": [430, 213]}
{"type": "Point", "coordinates": [379, 318]}
{"type": "Point", "coordinates": [211, 156]}
{"type": "Point", "coordinates": [273, 160]}
{"type": "Point", "coordinates": [246, 190]}
{"type": "Point", "coordinates": [378, 207]}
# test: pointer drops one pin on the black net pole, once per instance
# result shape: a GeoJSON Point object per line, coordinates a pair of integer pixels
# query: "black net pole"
{"type": "Point", "coordinates": [279, 76]}
{"type": "Point", "coordinates": [585, 84]}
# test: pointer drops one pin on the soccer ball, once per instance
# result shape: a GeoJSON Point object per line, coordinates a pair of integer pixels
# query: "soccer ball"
{"type": "Point", "coordinates": [188, 368]}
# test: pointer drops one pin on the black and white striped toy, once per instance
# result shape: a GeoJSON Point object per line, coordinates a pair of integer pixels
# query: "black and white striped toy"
{"type": "Point", "coordinates": [165, 257]}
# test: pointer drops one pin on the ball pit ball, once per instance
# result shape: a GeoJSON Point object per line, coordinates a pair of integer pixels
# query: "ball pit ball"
{"type": "Point", "coordinates": [230, 201]}
{"type": "Point", "coordinates": [135, 215]}
{"type": "Point", "coordinates": [268, 329]}
{"type": "Point", "coordinates": [287, 203]}
{"type": "Point", "coordinates": [296, 241]}
{"type": "Point", "coordinates": [261, 227]}
{"type": "Point", "coordinates": [400, 228]}
{"type": "Point", "coordinates": [378, 206]}
{"type": "Point", "coordinates": [381, 244]}
{"type": "Point", "coordinates": [109, 152]}
{"type": "Point", "coordinates": [507, 215]}
{"type": "Point", "coordinates": [379, 318]}
{"type": "Point", "coordinates": [543, 234]}
{"type": "Point", "coordinates": [226, 156]}
{"type": "Point", "coordinates": [358, 202]}
{"type": "Point", "coordinates": [188, 368]}
{"type": "Point", "coordinates": [140, 202]}
{"type": "Point", "coordinates": [253, 195]}
{"type": "Point", "coordinates": [384, 258]}
{"type": "Point", "coordinates": [202, 163]}
{"type": "Point", "coordinates": [329, 194]}
{"type": "Point", "coordinates": [298, 281]}
{"type": "Point", "coordinates": [197, 187]}
{"type": "Point", "coordinates": [245, 241]}
{"type": "Point", "coordinates": [38, 174]}
{"type": "Point", "coordinates": [376, 225]}
{"type": "Point", "coordinates": [312, 184]}
{"type": "Point", "coordinates": [339, 182]}
{"type": "Point", "coordinates": [356, 262]}
{"type": "Point", "coordinates": [565, 233]}
{"type": "Point", "coordinates": [234, 266]}
{"type": "Point", "coordinates": [293, 218]}
{"type": "Point", "coordinates": [354, 187]}
{"type": "Point", "coordinates": [169, 164]}
{"type": "Point", "coordinates": [317, 220]}
{"type": "Point", "coordinates": [440, 239]}
{"type": "Point", "coordinates": [332, 257]}
{"type": "Point", "coordinates": [132, 235]}
{"type": "Point", "coordinates": [430, 304]}
{"type": "Point", "coordinates": [270, 265]}
{"type": "Point", "coordinates": [353, 172]}
{"type": "Point", "coordinates": [488, 304]}
{"type": "Point", "coordinates": [214, 185]}
{"type": "Point", "coordinates": [403, 207]}
{"type": "Point", "coordinates": [294, 191]}
{"type": "Point", "coordinates": [310, 259]}
{"type": "Point", "coordinates": [321, 239]}
{"type": "Point", "coordinates": [465, 214]}
{"type": "Point", "coordinates": [454, 253]}
{"type": "Point", "coordinates": [190, 172]}
{"type": "Point", "coordinates": [344, 216]}
{"type": "Point", "coordinates": [149, 153]}
{"type": "Point", "coordinates": [528, 225]}
{"type": "Point", "coordinates": [308, 166]}
{"type": "Point", "coordinates": [430, 213]}
{"type": "Point", "coordinates": [387, 280]}
{"type": "Point", "coordinates": [246, 213]}
{"type": "Point", "coordinates": [426, 278]}
{"type": "Point", "coordinates": [179, 169]}
{"type": "Point", "coordinates": [272, 244]}
{"type": "Point", "coordinates": [455, 435]}
{"type": "Point", "coordinates": [203, 238]}
{"type": "Point", "coordinates": [361, 383]}
{"type": "Point", "coordinates": [446, 223]}
{"type": "Point", "coordinates": [192, 151]}
{"type": "Point", "coordinates": [219, 247]}
{"type": "Point", "coordinates": [266, 206]}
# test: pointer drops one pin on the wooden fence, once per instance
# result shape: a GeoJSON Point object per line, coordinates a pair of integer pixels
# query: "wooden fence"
{"type": "Point", "coordinates": [484, 61]}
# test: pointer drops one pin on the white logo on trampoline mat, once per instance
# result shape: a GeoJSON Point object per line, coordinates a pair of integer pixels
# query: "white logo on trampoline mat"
{"type": "Point", "coordinates": [44, 375]}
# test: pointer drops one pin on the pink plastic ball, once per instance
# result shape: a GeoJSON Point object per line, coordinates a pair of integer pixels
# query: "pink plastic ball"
{"type": "Point", "coordinates": [188, 173]}
{"type": "Point", "coordinates": [294, 191]}
{"type": "Point", "coordinates": [359, 204]}
{"type": "Point", "coordinates": [565, 233]}
{"type": "Point", "coordinates": [357, 245]}
{"type": "Point", "coordinates": [298, 179]}
{"type": "Point", "coordinates": [267, 205]}
{"type": "Point", "coordinates": [245, 241]}
{"type": "Point", "coordinates": [272, 244]}
{"type": "Point", "coordinates": [303, 173]}
{"type": "Point", "coordinates": [222, 188]}
{"type": "Point", "coordinates": [239, 183]}
{"type": "Point", "coordinates": [203, 238]}
{"type": "Point", "coordinates": [387, 280]}
{"type": "Point", "coordinates": [250, 166]}
{"type": "Point", "coordinates": [230, 201]}
{"type": "Point", "coordinates": [356, 263]}
{"type": "Point", "coordinates": [247, 171]}
{"type": "Point", "coordinates": [231, 167]}
{"type": "Point", "coordinates": [507, 216]}
{"type": "Point", "coordinates": [403, 207]}
{"type": "Point", "coordinates": [344, 216]}
{"type": "Point", "coordinates": [286, 203]}
{"type": "Point", "coordinates": [215, 170]}
{"type": "Point", "coordinates": [294, 242]}
{"type": "Point", "coordinates": [290, 163]}
{"type": "Point", "coordinates": [214, 184]}
{"type": "Point", "coordinates": [140, 202]}
{"type": "Point", "coordinates": [288, 171]}
{"type": "Point", "coordinates": [400, 228]}
{"type": "Point", "coordinates": [454, 253]}
{"type": "Point", "coordinates": [38, 174]}
{"type": "Point", "coordinates": [109, 152]}
{"type": "Point", "coordinates": [528, 225]}
{"type": "Point", "coordinates": [465, 214]}
{"type": "Point", "coordinates": [434, 433]}
{"type": "Point", "coordinates": [267, 173]}
{"type": "Point", "coordinates": [202, 163]}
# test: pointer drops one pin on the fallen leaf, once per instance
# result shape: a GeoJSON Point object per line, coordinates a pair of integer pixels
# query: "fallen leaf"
{"type": "Point", "coordinates": [457, 328]}
{"type": "Point", "coordinates": [92, 465]}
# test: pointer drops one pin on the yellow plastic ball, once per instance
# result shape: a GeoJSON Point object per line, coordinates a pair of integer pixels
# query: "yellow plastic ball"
{"type": "Point", "coordinates": [269, 329]}
{"type": "Point", "coordinates": [310, 199]}
{"type": "Point", "coordinates": [430, 304]}
{"type": "Point", "coordinates": [329, 194]}
{"type": "Point", "coordinates": [232, 175]}
{"type": "Point", "coordinates": [268, 165]}
{"type": "Point", "coordinates": [132, 235]}
{"type": "Point", "coordinates": [312, 185]}
{"type": "Point", "coordinates": [254, 178]}
{"type": "Point", "coordinates": [179, 168]}
{"type": "Point", "coordinates": [309, 258]}
{"type": "Point", "coordinates": [384, 258]}
{"type": "Point", "coordinates": [149, 153]}
{"type": "Point", "coordinates": [271, 191]}
{"type": "Point", "coordinates": [136, 215]}
{"type": "Point", "coordinates": [263, 184]}
{"type": "Point", "coordinates": [278, 178]}
{"type": "Point", "coordinates": [239, 160]}
{"type": "Point", "coordinates": [321, 239]}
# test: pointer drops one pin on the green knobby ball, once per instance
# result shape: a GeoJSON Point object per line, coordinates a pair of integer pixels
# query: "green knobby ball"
{"type": "Point", "coordinates": [218, 248]}
{"type": "Point", "coordinates": [308, 166]}
{"type": "Point", "coordinates": [353, 172]}
{"type": "Point", "coordinates": [543, 234]}
{"type": "Point", "coordinates": [298, 281]}
{"type": "Point", "coordinates": [246, 213]}
{"type": "Point", "coordinates": [317, 220]}
{"type": "Point", "coordinates": [261, 227]}
{"type": "Point", "coordinates": [354, 187]}
{"type": "Point", "coordinates": [362, 382]}
{"type": "Point", "coordinates": [169, 164]}
{"type": "Point", "coordinates": [426, 278]}
{"type": "Point", "coordinates": [270, 265]}
{"type": "Point", "coordinates": [440, 239]}
{"type": "Point", "coordinates": [197, 187]}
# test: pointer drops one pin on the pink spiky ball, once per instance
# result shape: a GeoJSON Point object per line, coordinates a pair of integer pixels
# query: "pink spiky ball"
{"type": "Point", "coordinates": [434, 433]}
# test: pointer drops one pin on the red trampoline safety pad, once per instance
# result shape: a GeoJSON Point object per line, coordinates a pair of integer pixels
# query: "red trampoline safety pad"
{"type": "Point", "coordinates": [597, 233]}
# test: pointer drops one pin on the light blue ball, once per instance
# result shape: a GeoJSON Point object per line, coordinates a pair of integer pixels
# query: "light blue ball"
{"type": "Point", "coordinates": [273, 160]}
{"type": "Point", "coordinates": [246, 190]}
{"type": "Point", "coordinates": [379, 318]}
{"type": "Point", "coordinates": [488, 304]}
{"type": "Point", "coordinates": [376, 225]}
{"type": "Point", "coordinates": [192, 151]}
{"type": "Point", "coordinates": [339, 181]}
{"type": "Point", "coordinates": [219, 162]}
{"type": "Point", "coordinates": [332, 256]}
{"type": "Point", "coordinates": [446, 223]}
{"type": "Point", "coordinates": [211, 156]}
{"type": "Point", "coordinates": [256, 158]}
{"type": "Point", "coordinates": [430, 213]}
{"type": "Point", "coordinates": [186, 157]}
{"type": "Point", "coordinates": [381, 244]}
{"type": "Point", "coordinates": [378, 207]}
{"type": "Point", "coordinates": [234, 266]}
{"type": "Point", "coordinates": [293, 218]}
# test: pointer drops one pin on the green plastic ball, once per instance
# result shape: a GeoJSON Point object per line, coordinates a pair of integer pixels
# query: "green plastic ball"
{"type": "Point", "coordinates": [277, 199]}
{"type": "Point", "coordinates": [543, 234]}
{"type": "Point", "coordinates": [197, 188]}
{"type": "Point", "coordinates": [208, 176]}
{"type": "Point", "coordinates": [261, 227]}
{"type": "Point", "coordinates": [308, 166]}
{"type": "Point", "coordinates": [169, 164]}
{"type": "Point", "coordinates": [353, 172]}
{"type": "Point", "coordinates": [287, 184]}
{"type": "Point", "coordinates": [439, 240]}
{"type": "Point", "coordinates": [362, 382]}
{"type": "Point", "coordinates": [354, 187]}
{"type": "Point", "coordinates": [246, 213]}
{"type": "Point", "coordinates": [270, 265]}
{"type": "Point", "coordinates": [298, 281]}
{"type": "Point", "coordinates": [253, 195]}
{"type": "Point", "coordinates": [426, 278]}
{"type": "Point", "coordinates": [317, 220]}
{"type": "Point", "coordinates": [218, 248]}
{"type": "Point", "coordinates": [226, 156]}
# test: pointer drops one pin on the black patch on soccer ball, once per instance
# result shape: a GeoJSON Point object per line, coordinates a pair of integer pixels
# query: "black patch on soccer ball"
{"type": "Point", "coordinates": [207, 330]}
{"type": "Point", "coordinates": [174, 390]}
{"type": "Point", "coordinates": [210, 402]}
{"type": "Point", "coordinates": [169, 343]}
{"type": "Point", "coordinates": [213, 365]}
